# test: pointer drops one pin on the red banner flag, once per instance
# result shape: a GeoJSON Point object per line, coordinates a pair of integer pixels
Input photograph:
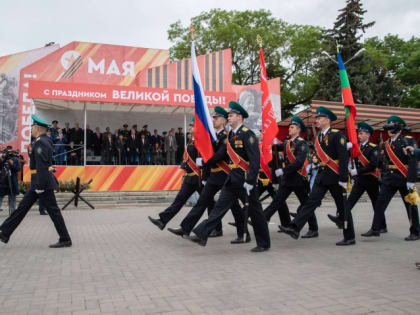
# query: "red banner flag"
{"type": "Point", "coordinates": [269, 126]}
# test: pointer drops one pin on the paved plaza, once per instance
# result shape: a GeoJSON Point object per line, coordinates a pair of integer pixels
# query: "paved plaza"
{"type": "Point", "coordinates": [122, 264]}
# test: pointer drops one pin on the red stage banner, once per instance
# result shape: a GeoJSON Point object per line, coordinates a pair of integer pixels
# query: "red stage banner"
{"type": "Point", "coordinates": [120, 178]}
{"type": "Point", "coordinates": [122, 94]}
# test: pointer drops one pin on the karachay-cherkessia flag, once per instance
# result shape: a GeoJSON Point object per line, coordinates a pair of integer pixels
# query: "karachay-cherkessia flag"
{"type": "Point", "coordinates": [269, 128]}
{"type": "Point", "coordinates": [349, 106]}
{"type": "Point", "coordinates": [204, 133]}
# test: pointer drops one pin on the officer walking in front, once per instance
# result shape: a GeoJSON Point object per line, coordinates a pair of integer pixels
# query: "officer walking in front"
{"type": "Point", "coordinates": [366, 179]}
{"type": "Point", "coordinates": [190, 184]}
{"type": "Point", "coordinates": [293, 176]}
{"type": "Point", "coordinates": [330, 146]}
{"type": "Point", "coordinates": [43, 184]}
{"type": "Point", "coordinates": [215, 172]}
{"type": "Point", "coordinates": [399, 173]}
{"type": "Point", "coordinates": [244, 156]}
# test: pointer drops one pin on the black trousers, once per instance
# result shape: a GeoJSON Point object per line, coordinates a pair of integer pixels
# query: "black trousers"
{"type": "Point", "coordinates": [283, 210]}
{"type": "Point", "coordinates": [279, 204]}
{"type": "Point", "coordinates": [47, 199]}
{"type": "Point", "coordinates": [362, 184]}
{"type": "Point", "coordinates": [206, 200]}
{"type": "Point", "coordinates": [269, 188]}
{"type": "Point", "coordinates": [315, 197]}
{"type": "Point", "coordinates": [228, 196]}
{"type": "Point", "coordinates": [384, 198]}
{"type": "Point", "coordinates": [187, 189]}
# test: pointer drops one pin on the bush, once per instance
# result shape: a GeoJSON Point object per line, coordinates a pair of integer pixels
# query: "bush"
{"type": "Point", "coordinates": [63, 186]}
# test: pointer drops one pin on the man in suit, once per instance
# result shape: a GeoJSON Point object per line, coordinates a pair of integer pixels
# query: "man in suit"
{"type": "Point", "coordinates": [170, 148]}
{"type": "Point", "coordinates": [108, 149]}
{"type": "Point", "coordinates": [133, 146]}
{"type": "Point", "coordinates": [330, 146]}
{"type": "Point", "coordinates": [399, 173]}
{"type": "Point", "coordinates": [155, 138]}
{"type": "Point", "coordinates": [67, 131]}
{"type": "Point", "coordinates": [144, 149]}
{"type": "Point", "coordinates": [97, 142]}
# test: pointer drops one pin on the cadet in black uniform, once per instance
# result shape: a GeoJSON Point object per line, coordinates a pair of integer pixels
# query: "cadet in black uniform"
{"type": "Point", "coordinates": [190, 184]}
{"type": "Point", "coordinates": [293, 176]}
{"type": "Point", "coordinates": [43, 184]}
{"type": "Point", "coordinates": [244, 155]}
{"type": "Point", "coordinates": [215, 172]}
{"type": "Point", "coordinates": [330, 146]}
{"type": "Point", "coordinates": [399, 173]}
{"type": "Point", "coordinates": [366, 179]}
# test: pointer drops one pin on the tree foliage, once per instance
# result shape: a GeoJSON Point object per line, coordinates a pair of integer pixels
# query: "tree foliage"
{"type": "Point", "coordinates": [399, 59]}
{"type": "Point", "coordinates": [290, 50]}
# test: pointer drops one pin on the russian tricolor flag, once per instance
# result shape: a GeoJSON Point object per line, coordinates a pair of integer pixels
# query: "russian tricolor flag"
{"type": "Point", "coordinates": [204, 133]}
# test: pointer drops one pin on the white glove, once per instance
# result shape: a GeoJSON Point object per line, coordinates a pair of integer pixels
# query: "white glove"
{"type": "Point", "coordinates": [199, 161]}
{"type": "Point", "coordinates": [410, 186]}
{"type": "Point", "coordinates": [343, 184]}
{"type": "Point", "coordinates": [349, 145]}
{"type": "Point", "coordinates": [353, 172]}
{"type": "Point", "coordinates": [248, 188]}
{"type": "Point", "coordinates": [279, 172]}
{"type": "Point", "coordinates": [203, 182]}
{"type": "Point", "coordinates": [276, 186]}
{"type": "Point", "coordinates": [39, 191]}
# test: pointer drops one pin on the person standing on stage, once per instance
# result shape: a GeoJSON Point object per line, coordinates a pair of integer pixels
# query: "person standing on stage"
{"type": "Point", "coordinates": [244, 156]}
{"type": "Point", "coordinates": [43, 184]}
{"type": "Point", "coordinates": [190, 184]}
{"type": "Point", "coordinates": [292, 176]}
{"type": "Point", "coordinates": [215, 172]}
{"type": "Point", "coordinates": [399, 173]}
{"type": "Point", "coordinates": [366, 179]}
{"type": "Point", "coordinates": [330, 146]}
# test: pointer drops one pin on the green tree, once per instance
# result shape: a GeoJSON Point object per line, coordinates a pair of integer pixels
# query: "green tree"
{"type": "Point", "coordinates": [290, 51]}
{"type": "Point", "coordinates": [369, 81]}
{"type": "Point", "coordinates": [399, 59]}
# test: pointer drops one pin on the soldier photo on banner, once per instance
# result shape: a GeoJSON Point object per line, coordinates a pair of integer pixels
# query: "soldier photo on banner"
{"type": "Point", "coordinates": [250, 99]}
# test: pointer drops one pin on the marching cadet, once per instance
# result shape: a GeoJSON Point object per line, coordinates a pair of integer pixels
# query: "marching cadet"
{"type": "Point", "coordinates": [215, 172]}
{"type": "Point", "coordinates": [190, 184]}
{"type": "Point", "coordinates": [43, 184]}
{"type": "Point", "coordinates": [366, 179]}
{"type": "Point", "coordinates": [292, 177]}
{"type": "Point", "coordinates": [244, 156]}
{"type": "Point", "coordinates": [399, 173]}
{"type": "Point", "coordinates": [330, 146]}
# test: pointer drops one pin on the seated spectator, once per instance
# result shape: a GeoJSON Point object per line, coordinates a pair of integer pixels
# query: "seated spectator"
{"type": "Point", "coordinates": [157, 155]}
{"type": "Point", "coordinates": [72, 156]}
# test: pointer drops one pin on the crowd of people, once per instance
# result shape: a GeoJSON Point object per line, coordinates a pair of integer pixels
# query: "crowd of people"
{"type": "Point", "coordinates": [124, 146]}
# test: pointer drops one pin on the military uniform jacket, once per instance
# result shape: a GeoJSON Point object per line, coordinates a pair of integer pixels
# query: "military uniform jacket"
{"type": "Point", "coordinates": [220, 154]}
{"type": "Point", "coordinates": [370, 151]}
{"type": "Point", "coordinates": [245, 144]}
{"type": "Point", "coordinates": [193, 153]}
{"type": "Point", "coordinates": [40, 162]}
{"type": "Point", "coordinates": [392, 176]}
{"type": "Point", "coordinates": [291, 177]}
{"type": "Point", "coordinates": [333, 144]}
